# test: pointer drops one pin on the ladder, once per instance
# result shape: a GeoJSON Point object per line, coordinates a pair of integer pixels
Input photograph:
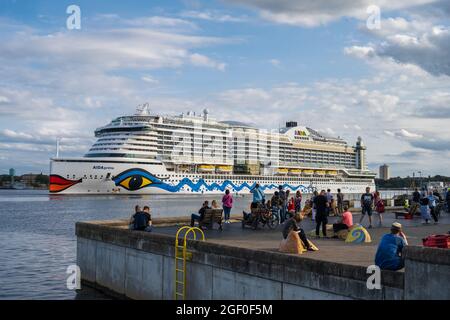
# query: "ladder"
{"type": "Point", "coordinates": [181, 257]}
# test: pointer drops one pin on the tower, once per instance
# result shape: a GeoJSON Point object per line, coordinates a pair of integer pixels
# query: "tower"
{"type": "Point", "coordinates": [360, 155]}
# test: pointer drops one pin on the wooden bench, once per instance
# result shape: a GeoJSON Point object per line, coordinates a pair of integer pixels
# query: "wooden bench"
{"type": "Point", "coordinates": [211, 216]}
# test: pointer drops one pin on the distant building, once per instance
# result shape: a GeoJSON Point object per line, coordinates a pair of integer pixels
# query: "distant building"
{"type": "Point", "coordinates": [28, 179]}
{"type": "Point", "coordinates": [384, 172]}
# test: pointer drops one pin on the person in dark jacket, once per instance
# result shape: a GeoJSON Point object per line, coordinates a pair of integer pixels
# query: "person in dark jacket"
{"type": "Point", "coordinates": [321, 204]}
{"type": "Point", "coordinates": [142, 220]}
{"type": "Point", "coordinates": [201, 213]}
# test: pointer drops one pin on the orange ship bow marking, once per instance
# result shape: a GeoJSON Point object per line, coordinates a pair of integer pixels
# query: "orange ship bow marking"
{"type": "Point", "coordinates": [58, 183]}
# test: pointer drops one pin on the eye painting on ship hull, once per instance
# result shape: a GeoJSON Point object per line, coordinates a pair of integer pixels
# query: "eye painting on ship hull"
{"type": "Point", "coordinates": [137, 178]}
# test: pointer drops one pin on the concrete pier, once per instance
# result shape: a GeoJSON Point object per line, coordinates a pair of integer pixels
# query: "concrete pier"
{"type": "Point", "coordinates": [245, 264]}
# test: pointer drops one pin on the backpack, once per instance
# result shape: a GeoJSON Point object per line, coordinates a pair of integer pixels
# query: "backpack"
{"type": "Point", "coordinates": [380, 206]}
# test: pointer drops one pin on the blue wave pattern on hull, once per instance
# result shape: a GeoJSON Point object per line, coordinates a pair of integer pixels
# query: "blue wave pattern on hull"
{"type": "Point", "coordinates": [138, 173]}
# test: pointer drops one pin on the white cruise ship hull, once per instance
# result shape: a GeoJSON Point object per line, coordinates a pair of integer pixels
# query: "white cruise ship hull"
{"type": "Point", "coordinates": [95, 176]}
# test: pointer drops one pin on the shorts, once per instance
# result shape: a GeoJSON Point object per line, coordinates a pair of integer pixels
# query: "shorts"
{"type": "Point", "coordinates": [367, 210]}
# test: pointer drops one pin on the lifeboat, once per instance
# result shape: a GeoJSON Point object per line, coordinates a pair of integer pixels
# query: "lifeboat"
{"type": "Point", "coordinates": [206, 168]}
{"type": "Point", "coordinates": [308, 172]}
{"type": "Point", "coordinates": [320, 172]}
{"type": "Point", "coordinates": [295, 172]}
{"type": "Point", "coordinates": [224, 169]}
{"type": "Point", "coordinates": [282, 171]}
{"type": "Point", "coordinates": [332, 172]}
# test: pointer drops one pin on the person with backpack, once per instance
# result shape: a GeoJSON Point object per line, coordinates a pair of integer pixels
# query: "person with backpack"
{"type": "Point", "coordinates": [379, 207]}
{"type": "Point", "coordinates": [142, 220]}
{"type": "Point", "coordinates": [366, 206]}
{"type": "Point", "coordinates": [425, 209]}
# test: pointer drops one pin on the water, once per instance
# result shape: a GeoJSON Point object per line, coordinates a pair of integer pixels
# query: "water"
{"type": "Point", "coordinates": [37, 235]}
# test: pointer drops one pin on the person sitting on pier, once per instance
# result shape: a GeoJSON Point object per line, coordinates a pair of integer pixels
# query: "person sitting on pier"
{"type": "Point", "coordinates": [143, 220]}
{"type": "Point", "coordinates": [293, 224]}
{"type": "Point", "coordinates": [131, 222]}
{"type": "Point", "coordinates": [201, 213]}
{"type": "Point", "coordinates": [215, 205]}
{"type": "Point", "coordinates": [389, 252]}
{"type": "Point", "coordinates": [346, 221]}
{"type": "Point", "coordinates": [253, 205]}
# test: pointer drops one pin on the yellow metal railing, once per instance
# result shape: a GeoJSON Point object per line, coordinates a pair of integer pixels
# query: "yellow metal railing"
{"type": "Point", "coordinates": [181, 258]}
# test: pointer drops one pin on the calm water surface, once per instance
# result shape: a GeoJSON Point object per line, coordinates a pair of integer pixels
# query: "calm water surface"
{"type": "Point", "coordinates": [37, 235]}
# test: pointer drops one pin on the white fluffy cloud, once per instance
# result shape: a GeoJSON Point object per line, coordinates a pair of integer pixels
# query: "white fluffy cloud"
{"type": "Point", "coordinates": [314, 13]}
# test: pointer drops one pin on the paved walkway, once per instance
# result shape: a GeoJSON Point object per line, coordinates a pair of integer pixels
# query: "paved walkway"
{"type": "Point", "coordinates": [329, 249]}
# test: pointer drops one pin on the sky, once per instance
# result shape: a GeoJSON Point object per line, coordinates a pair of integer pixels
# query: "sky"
{"type": "Point", "coordinates": [330, 65]}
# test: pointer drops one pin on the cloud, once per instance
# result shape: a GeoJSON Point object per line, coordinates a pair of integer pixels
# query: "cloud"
{"type": "Point", "coordinates": [214, 15]}
{"type": "Point", "coordinates": [315, 13]}
{"type": "Point", "coordinates": [416, 42]}
{"type": "Point", "coordinates": [201, 60]}
{"type": "Point", "coordinates": [275, 62]}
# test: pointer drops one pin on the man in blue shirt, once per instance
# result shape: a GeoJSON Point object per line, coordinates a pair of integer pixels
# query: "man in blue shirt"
{"type": "Point", "coordinates": [258, 195]}
{"type": "Point", "coordinates": [389, 252]}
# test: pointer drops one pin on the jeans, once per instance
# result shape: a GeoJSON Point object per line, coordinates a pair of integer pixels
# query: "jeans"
{"type": "Point", "coordinates": [302, 236]}
{"type": "Point", "coordinates": [283, 213]}
{"type": "Point", "coordinates": [226, 212]}
{"type": "Point", "coordinates": [194, 217]}
{"type": "Point", "coordinates": [321, 219]}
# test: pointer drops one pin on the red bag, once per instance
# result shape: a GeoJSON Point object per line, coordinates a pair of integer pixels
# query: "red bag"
{"type": "Point", "coordinates": [380, 206]}
{"type": "Point", "coordinates": [437, 241]}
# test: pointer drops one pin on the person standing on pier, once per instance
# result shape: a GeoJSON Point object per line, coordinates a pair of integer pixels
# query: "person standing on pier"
{"type": "Point", "coordinates": [258, 195]}
{"type": "Point", "coordinates": [283, 203]}
{"type": "Point", "coordinates": [322, 205]}
{"type": "Point", "coordinates": [330, 200]}
{"type": "Point", "coordinates": [379, 207]}
{"type": "Point", "coordinates": [447, 198]}
{"type": "Point", "coordinates": [366, 206]}
{"type": "Point", "coordinates": [432, 204]}
{"type": "Point", "coordinates": [340, 202]}
{"type": "Point", "coordinates": [313, 205]}
{"type": "Point", "coordinates": [227, 204]}
{"type": "Point", "coordinates": [298, 201]}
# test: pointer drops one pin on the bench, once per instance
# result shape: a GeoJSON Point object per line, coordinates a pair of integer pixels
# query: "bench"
{"type": "Point", "coordinates": [211, 216]}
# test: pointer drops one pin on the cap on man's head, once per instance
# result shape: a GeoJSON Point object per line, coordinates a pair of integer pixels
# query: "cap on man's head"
{"type": "Point", "coordinates": [396, 225]}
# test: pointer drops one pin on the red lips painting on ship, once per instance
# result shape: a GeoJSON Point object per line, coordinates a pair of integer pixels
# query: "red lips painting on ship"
{"type": "Point", "coordinates": [58, 183]}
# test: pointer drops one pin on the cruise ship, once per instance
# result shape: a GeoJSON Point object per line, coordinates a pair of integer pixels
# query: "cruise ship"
{"type": "Point", "coordinates": [147, 153]}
